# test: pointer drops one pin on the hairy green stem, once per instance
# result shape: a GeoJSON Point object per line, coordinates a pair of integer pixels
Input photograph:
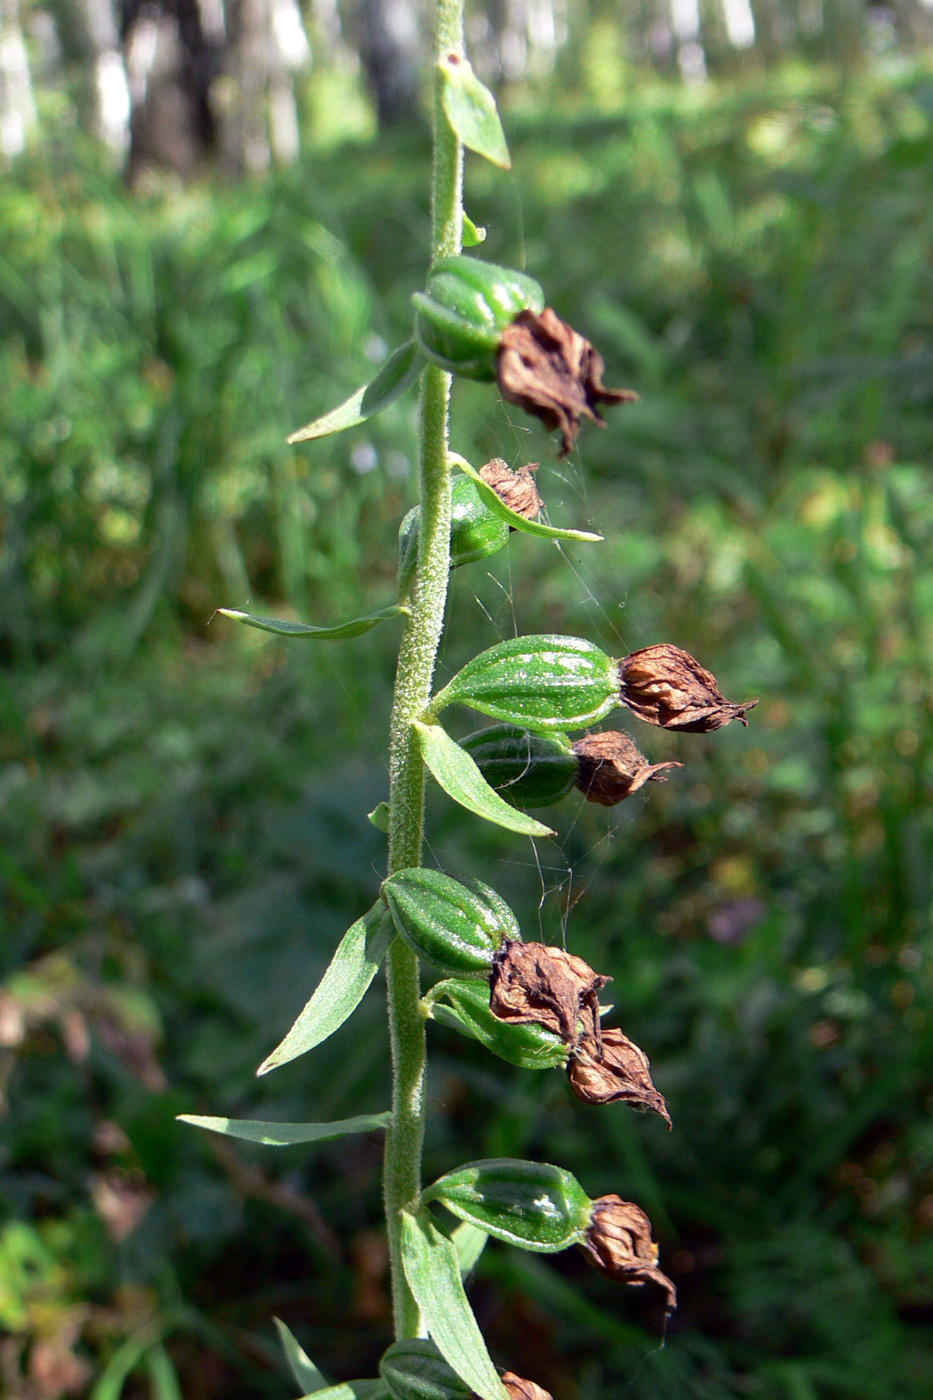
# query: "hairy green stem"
{"type": "Point", "coordinates": [417, 655]}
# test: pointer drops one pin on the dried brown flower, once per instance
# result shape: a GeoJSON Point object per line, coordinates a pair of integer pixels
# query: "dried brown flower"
{"type": "Point", "coordinates": [515, 489]}
{"type": "Point", "coordinates": [550, 370]}
{"type": "Point", "coordinates": [520, 1389]}
{"type": "Point", "coordinates": [618, 1243]}
{"type": "Point", "coordinates": [666, 686]}
{"type": "Point", "coordinates": [611, 768]}
{"type": "Point", "coordinates": [615, 1072]}
{"type": "Point", "coordinates": [533, 983]}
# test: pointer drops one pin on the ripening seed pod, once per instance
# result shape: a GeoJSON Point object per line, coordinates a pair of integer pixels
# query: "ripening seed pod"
{"type": "Point", "coordinates": [488, 322]}
{"type": "Point", "coordinates": [415, 1370]}
{"type": "Point", "coordinates": [528, 770]}
{"type": "Point", "coordinates": [464, 310]}
{"type": "Point", "coordinates": [474, 532]}
{"type": "Point", "coordinates": [457, 927]}
{"type": "Point", "coordinates": [530, 1204]}
{"type": "Point", "coordinates": [526, 1043]}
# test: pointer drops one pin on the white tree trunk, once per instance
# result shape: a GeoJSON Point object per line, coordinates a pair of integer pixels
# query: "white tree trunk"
{"type": "Point", "coordinates": [17, 108]}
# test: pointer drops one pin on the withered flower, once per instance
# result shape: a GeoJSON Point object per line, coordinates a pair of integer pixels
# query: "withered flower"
{"type": "Point", "coordinates": [616, 1072]}
{"type": "Point", "coordinates": [618, 1243]}
{"type": "Point", "coordinates": [550, 370]}
{"type": "Point", "coordinates": [520, 1389]}
{"type": "Point", "coordinates": [516, 489]}
{"type": "Point", "coordinates": [611, 768]}
{"type": "Point", "coordinates": [666, 686]}
{"type": "Point", "coordinates": [533, 983]}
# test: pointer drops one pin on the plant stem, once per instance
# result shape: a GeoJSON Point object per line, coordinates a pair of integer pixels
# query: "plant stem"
{"type": "Point", "coordinates": [414, 675]}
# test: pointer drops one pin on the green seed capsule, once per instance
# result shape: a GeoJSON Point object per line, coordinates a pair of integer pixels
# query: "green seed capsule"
{"type": "Point", "coordinates": [415, 1370]}
{"type": "Point", "coordinates": [528, 770]}
{"type": "Point", "coordinates": [530, 1204]}
{"type": "Point", "coordinates": [475, 532]}
{"type": "Point", "coordinates": [525, 1044]}
{"type": "Point", "coordinates": [456, 927]}
{"type": "Point", "coordinates": [464, 309]}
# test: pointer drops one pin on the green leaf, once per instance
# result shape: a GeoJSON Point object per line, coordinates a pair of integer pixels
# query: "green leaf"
{"type": "Point", "coordinates": [547, 683]}
{"type": "Point", "coordinates": [355, 628]}
{"type": "Point", "coordinates": [469, 1241]}
{"type": "Point", "coordinates": [352, 1390]}
{"type": "Point", "coordinates": [456, 772]}
{"type": "Point", "coordinates": [307, 1376]}
{"type": "Point", "coordinates": [400, 371]}
{"type": "Point", "coordinates": [415, 1370]}
{"type": "Point", "coordinates": [379, 817]}
{"type": "Point", "coordinates": [531, 1046]}
{"type": "Point", "coordinates": [472, 236]}
{"type": "Point", "coordinates": [341, 989]}
{"type": "Point", "coordinates": [433, 1271]}
{"type": "Point", "coordinates": [511, 517]}
{"type": "Point", "coordinates": [529, 1204]}
{"type": "Point", "coordinates": [287, 1134]}
{"type": "Point", "coordinates": [457, 927]}
{"type": "Point", "coordinates": [470, 108]}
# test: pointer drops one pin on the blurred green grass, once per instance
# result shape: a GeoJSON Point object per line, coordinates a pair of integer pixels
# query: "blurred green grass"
{"type": "Point", "coordinates": [182, 807]}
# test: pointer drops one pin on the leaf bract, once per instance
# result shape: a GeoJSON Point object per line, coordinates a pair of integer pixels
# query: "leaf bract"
{"type": "Point", "coordinates": [457, 773]}
{"type": "Point", "coordinates": [398, 373]}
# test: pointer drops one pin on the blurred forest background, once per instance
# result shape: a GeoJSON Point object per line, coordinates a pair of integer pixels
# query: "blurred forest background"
{"type": "Point", "coordinates": [212, 217]}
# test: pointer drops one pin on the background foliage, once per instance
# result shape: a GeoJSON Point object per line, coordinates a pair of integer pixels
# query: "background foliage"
{"type": "Point", "coordinates": [182, 807]}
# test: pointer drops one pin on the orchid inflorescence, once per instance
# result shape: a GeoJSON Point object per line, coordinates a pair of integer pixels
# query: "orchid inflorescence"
{"type": "Point", "coordinates": [528, 1003]}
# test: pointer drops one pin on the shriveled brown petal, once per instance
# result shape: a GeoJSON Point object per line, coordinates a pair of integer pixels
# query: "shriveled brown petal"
{"type": "Point", "coordinates": [618, 1243]}
{"type": "Point", "coordinates": [666, 686]}
{"type": "Point", "coordinates": [516, 489]}
{"type": "Point", "coordinates": [611, 768]}
{"type": "Point", "coordinates": [520, 1389]}
{"type": "Point", "coordinates": [549, 369]}
{"type": "Point", "coordinates": [617, 1073]}
{"type": "Point", "coordinates": [534, 983]}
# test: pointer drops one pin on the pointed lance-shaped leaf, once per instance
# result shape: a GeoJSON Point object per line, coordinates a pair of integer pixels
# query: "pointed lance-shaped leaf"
{"type": "Point", "coordinates": [398, 373]}
{"type": "Point", "coordinates": [529, 1045]}
{"type": "Point", "coordinates": [470, 108]}
{"type": "Point", "coordinates": [432, 1269]}
{"type": "Point", "coordinates": [469, 1241]}
{"type": "Point", "coordinates": [344, 630]}
{"type": "Point", "coordinates": [456, 772]}
{"type": "Point", "coordinates": [307, 1375]}
{"type": "Point", "coordinates": [547, 683]}
{"type": "Point", "coordinates": [512, 518]}
{"type": "Point", "coordinates": [455, 926]}
{"type": "Point", "coordinates": [529, 1204]}
{"type": "Point", "coordinates": [341, 989]}
{"type": "Point", "coordinates": [287, 1134]}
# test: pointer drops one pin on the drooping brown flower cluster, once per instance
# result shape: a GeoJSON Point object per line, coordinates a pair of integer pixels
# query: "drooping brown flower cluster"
{"type": "Point", "coordinates": [516, 489]}
{"type": "Point", "coordinates": [520, 1389]}
{"type": "Point", "coordinates": [532, 983]}
{"type": "Point", "coordinates": [618, 1243]}
{"type": "Point", "coordinates": [613, 1070]}
{"type": "Point", "coordinates": [611, 768]}
{"type": "Point", "coordinates": [666, 686]}
{"type": "Point", "coordinates": [547, 368]}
